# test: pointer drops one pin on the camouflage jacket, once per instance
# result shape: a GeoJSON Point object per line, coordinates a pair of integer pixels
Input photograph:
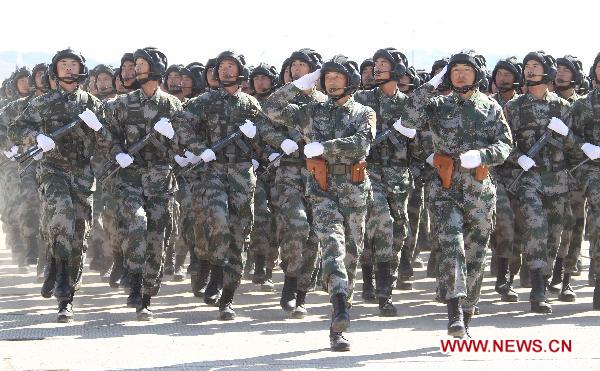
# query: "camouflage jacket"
{"type": "Point", "coordinates": [498, 98]}
{"type": "Point", "coordinates": [585, 120]}
{"type": "Point", "coordinates": [8, 115]}
{"type": "Point", "coordinates": [346, 133]}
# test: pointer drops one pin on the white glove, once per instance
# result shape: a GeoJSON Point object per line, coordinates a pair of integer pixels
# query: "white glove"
{"type": "Point", "coordinates": [437, 79]}
{"type": "Point", "coordinates": [208, 155]}
{"type": "Point", "coordinates": [409, 133]}
{"type": "Point", "coordinates": [289, 146]}
{"type": "Point", "coordinates": [182, 161]}
{"type": "Point", "coordinates": [307, 81]}
{"type": "Point", "coordinates": [45, 143]}
{"type": "Point", "coordinates": [526, 162]}
{"type": "Point", "coordinates": [164, 127]}
{"type": "Point", "coordinates": [38, 156]}
{"type": "Point", "coordinates": [273, 156]}
{"type": "Point", "coordinates": [558, 126]}
{"type": "Point", "coordinates": [591, 151]}
{"type": "Point", "coordinates": [12, 152]}
{"type": "Point", "coordinates": [192, 158]}
{"type": "Point", "coordinates": [429, 159]}
{"type": "Point", "coordinates": [313, 149]}
{"type": "Point", "coordinates": [255, 164]}
{"type": "Point", "coordinates": [249, 129]}
{"type": "Point", "coordinates": [90, 119]}
{"type": "Point", "coordinates": [124, 160]}
{"type": "Point", "coordinates": [470, 159]}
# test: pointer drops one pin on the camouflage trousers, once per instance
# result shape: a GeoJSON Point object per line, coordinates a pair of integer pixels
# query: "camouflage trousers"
{"type": "Point", "coordinates": [185, 242]}
{"type": "Point", "coordinates": [97, 245]}
{"type": "Point", "coordinates": [387, 215]}
{"type": "Point", "coordinates": [542, 224]}
{"type": "Point", "coordinates": [144, 220]}
{"type": "Point", "coordinates": [67, 215]}
{"type": "Point", "coordinates": [263, 240]}
{"type": "Point", "coordinates": [224, 205]}
{"type": "Point", "coordinates": [462, 222]}
{"type": "Point", "coordinates": [590, 179]}
{"type": "Point", "coordinates": [572, 236]}
{"type": "Point", "coordinates": [11, 201]}
{"type": "Point", "coordinates": [418, 213]}
{"type": "Point", "coordinates": [340, 230]}
{"type": "Point", "coordinates": [298, 241]}
{"type": "Point", "coordinates": [503, 236]}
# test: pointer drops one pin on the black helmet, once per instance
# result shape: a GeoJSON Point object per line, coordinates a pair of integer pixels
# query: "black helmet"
{"type": "Point", "coordinates": [308, 56]}
{"type": "Point", "coordinates": [548, 63]}
{"type": "Point", "coordinates": [286, 63]}
{"type": "Point", "coordinates": [70, 53]}
{"type": "Point", "coordinates": [239, 59]}
{"type": "Point", "coordinates": [265, 70]}
{"type": "Point", "coordinates": [103, 68]}
{"type": "Point", "coordinates": [573, 64]}
{"type": "Point", "coordinates": [366, 63]}
{"type": "Point", "coordinates": [155, 58]}
{"type": "Point", "coordinates": [341, 64]}
{"type": "Point", "coordinates": [38, 67]}
{"type": "Point", "coordinates": [440, 63]}
{"type": "Point", "coordinates": [127, 57]}
{"type": "Point", "coordinates": [172, 68]}
{"type": "Point", "coordinates": [195, 70]}
{"type": "Point", "coordinates": [415, 79]}
{"type": "Point", "coordinates": [511, 65]}
{"type": "Point", "coordinates": [470, 58]}
{"type": "Point", "coordinates": [211, 63]}
{"type": "Point", "coordinates": [423, 76]}
{"type": "Point", "coordinates": [116, 75]}
{"type": "Point", "coordinates": [20, 73]}
{"type": "Point", "coordinates": [397, 59]}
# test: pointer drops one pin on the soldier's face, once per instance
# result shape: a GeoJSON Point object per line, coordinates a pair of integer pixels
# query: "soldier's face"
{"type": "Point", "coordinates": [38, 78]}
{"type": "Point", "coordinates": [186, 85]}
{"type": "Point", "coordinates": [23, 85]}
{"type": "Point", "coordinates": [66, 67]}
{"type": "Point", "coordinates": [404, 82]}
{"type": "Point", "coordinates": [262, 83]}
{"type": "Point", "coordinates": [533, 70]}
{"type": "Point", "coordinates": [335, 82]}
{"type": "Point", "coordinates": [92, 85]}
{"type": "Point", "coordinates": [246, 87]}
{"type": "Point", "coordinates": [128, 71]}
{"type": "Point", "coordinates": [210, 79]}
{"type": "Point", "coordinates": [564, 76]}
{"type": "Point", "coordinates": [504, 79]}
{"type": "Point", "coordinates": [104, 83]}
{"type": "Point", "coordinates": [382, 70]}
{"type": "Point", "coordinates": [173, 80]}
{"type": "Point", "coordinates": [462, 75]}
{"type": "Point", "coordinates": [367, 76]}
{"type": "Point", "coordinates": [142, 68]}
{"type": "Point", "coordinates": [228, 70]}
{"type": "Point", "coordinates": [286, 75]}
{"type": "Point", "coordinates": [298, 69]}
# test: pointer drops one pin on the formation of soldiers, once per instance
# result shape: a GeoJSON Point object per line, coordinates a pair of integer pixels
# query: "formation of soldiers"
{"type": "Point", "coordinates": [318, 167]}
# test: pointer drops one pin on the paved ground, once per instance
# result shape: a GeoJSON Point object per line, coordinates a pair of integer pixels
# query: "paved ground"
{"type": "Point", "coordinates": [186, 334]}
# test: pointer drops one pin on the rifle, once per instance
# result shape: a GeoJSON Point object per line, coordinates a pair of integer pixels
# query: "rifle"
{"type": "Point", "coordinates": [55, 134]}
{"type": "Point", "coordinates": [387, 134]}
{"type": "Point", "coordinates": [533, 151]}
{"type": "Point", "coordinates": [219, 145]}
{"type": "Point", "coordinates": [132, 150]}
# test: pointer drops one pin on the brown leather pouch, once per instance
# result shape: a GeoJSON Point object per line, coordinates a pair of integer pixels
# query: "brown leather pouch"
{"type": "Point", "coordinates": [359, 170]}
{"type": "Point", "coordinates": [445, 166]}
{"type": "Point", "coordinates": [317, 166]}
{"type": "Point", "coordinates": [482, 172]}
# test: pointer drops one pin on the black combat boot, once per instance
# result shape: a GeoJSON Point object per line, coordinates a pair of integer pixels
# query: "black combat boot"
{"type": "Point", "coordinates": [300, 311]}
{"type": "Point", "coordinates": [268, 285]}
{"type": "Point", "coordinates": [226, 312]}
{"type": "Point", "coordinates": [134, 300]}
{"type": "Point", "coordinates": [338, 342]}
{"type": "Point", "coordinates": [65, 310]}
{"type": "Point", "coordinates": [116, 272]}
{"type": "Point", "coordinates": [566, 293]}
{"type": "Point", "coordinates": [199, 277]}
{"type": "Point", "coordinates": [524, 276]}
{"type": "Point", "coordinates": [169, 268]}
{"type": "Point", "coordinates": [179, 272]}
{"type": "Point", "coordinates": [537, 297]}
{"type": "Point", "coordinates": [467, 316]}
{"type": "Point", "coordinates": [214, 286]}
{"type": "Point", "coordinates": [340, 320]}
{"type": "Point", "coordinates": [62, 286]}
{"type": "Point", "coordinates": [456, 325]}
{"type": "Point", "coordinates": [49, 278]}
{"type": "Point", "coordinates": [383, 278]}
{"type": "Point", "coordinates": [503, 283]}
{"type": "Point", "coordinates": [368, 289]}
{"type": "Point", "coordinates": [596, 300]}
{"type": "Point", "coordinates": [143, 312]}
{"type": "Point", "coordinates": [557, 272]}
{"type": "Point", "coordinates": [259, 275]}
{"type": "Point", "coordinates": [405, 272]}
{"type": "Point", "coordinates": [288, 293]}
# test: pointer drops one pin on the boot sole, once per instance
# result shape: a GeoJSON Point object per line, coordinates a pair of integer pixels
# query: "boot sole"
{"type": "Point", "coordinates": [541, 310]}
{"type": "Point", "coordinates": [341, 348]}
{"type": "Point", "coordinates": [227, 317]}
{"type": "Point", "coordinates": [64, 319]}
{"type": "Point", "coordinates": [457, 332]}
{"type": "Point", "coordinates": [567, 299]}
{"type": "Point", "coordinates": [144, 318]}
{"type": "Point", "coordinates": [297, 315]}
{"type": "Point", "coordinates": [340, 326]}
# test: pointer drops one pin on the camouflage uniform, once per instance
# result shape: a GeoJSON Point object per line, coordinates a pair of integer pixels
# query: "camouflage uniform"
{"type": "Point", "coordinates": [145, 189]}
{"type": "Point", "coordinates": [462, 216]}
{"type": "Point", "coordinates": [338, 213]}
{"type": "Point", "coordinates": [64, 173]}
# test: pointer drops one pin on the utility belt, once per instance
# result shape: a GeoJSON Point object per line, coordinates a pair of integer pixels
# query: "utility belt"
{"type": "Point", "coordinates": [291, 161]}
{"type": "Point", "coordinates": [390, 162]}
{"type": "Point", "coordinates": [320, 169]}
{"type": "Point", "coordinates": [446, 166]}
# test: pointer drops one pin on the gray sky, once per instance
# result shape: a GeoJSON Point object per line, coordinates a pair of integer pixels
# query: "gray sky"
{"type": "Point", "coordinates": [269, 30]}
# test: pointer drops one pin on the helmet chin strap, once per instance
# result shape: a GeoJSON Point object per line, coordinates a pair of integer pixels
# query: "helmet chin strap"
{"type": "Point", "coordinates": [534, 83]}
{"type": "Point", "coordinates": [464, 89]}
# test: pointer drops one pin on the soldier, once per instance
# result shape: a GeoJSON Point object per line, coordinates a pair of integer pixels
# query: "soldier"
{"type": "Point", "coordinates": [145, 183]}
{"type": "Point", "coordinates": [585, 114]}
{"type": "Point", "coordinates": [284, 73]}
{"type": "Point", "coordinates": [209, 75]}
{"type": "Point", "coordinates": [64, 172]}
{"type": "Point", "coordinates": [386, 223]}
{"type": "Point", "coordinates": [543, 188]}
{"type": "Point", "coordinates": [338, 134]}
{"type": "Point", "coordinates": [104, 86]}
{"type": "Point", "coordinates": [127, 72]}
{"type": "Point", "coordinates": [367, 79]}
{"type": "Point", "coordinates": [469, 135]}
